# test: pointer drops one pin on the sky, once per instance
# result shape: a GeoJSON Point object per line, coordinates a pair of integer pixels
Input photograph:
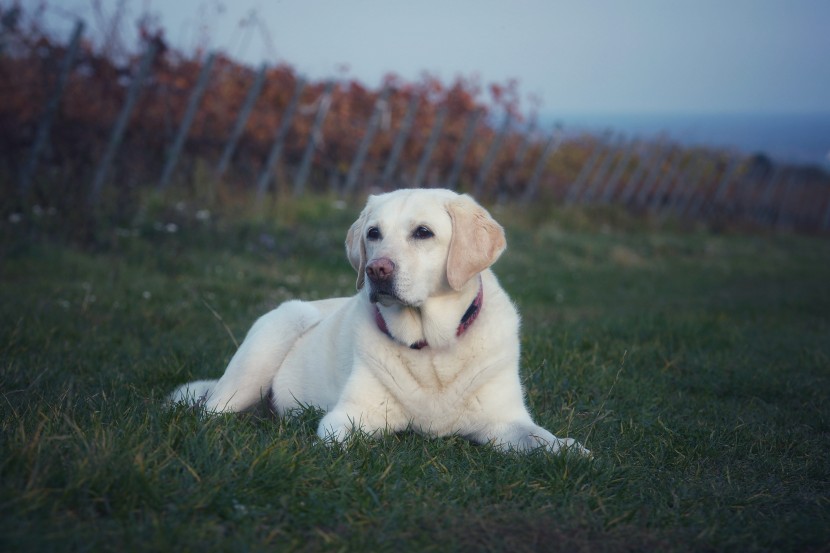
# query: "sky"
{"type": "Point", "coordinates": [583, 56]}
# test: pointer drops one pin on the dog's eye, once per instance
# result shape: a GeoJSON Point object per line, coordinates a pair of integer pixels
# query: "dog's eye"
{"type": "Point", "coordinates": [373, 233]}
{"type": "Point", "coordinates": [422, 233]}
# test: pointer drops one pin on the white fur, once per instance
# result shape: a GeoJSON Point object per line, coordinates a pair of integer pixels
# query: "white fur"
{"type": "Point", "coordinates": [331, 353]}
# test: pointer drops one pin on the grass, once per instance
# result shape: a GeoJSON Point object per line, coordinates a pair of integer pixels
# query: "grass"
{"type": "Point", "coordinates": [695, 366]}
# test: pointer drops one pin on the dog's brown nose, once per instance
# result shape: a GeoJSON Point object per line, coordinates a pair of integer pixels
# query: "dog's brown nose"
{"type": "Point", "coordinates": [380, 270]}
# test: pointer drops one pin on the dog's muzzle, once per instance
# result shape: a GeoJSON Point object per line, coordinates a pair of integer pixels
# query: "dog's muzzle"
{"type": "Point", "coordinates": [381, 275]}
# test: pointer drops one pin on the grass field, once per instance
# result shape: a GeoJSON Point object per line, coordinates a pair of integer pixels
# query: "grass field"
{"type": "Point", "coordinates": [695, 366]}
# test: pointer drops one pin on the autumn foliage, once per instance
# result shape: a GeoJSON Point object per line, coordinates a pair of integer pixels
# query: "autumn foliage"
{"type": "Point", "coordinates": [98, 85]}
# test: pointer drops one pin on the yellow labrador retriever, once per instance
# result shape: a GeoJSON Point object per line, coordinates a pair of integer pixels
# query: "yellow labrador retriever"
{"type": "Point", "coordinates": [430, 342]}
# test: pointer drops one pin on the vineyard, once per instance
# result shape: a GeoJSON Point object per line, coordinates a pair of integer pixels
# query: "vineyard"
{"type": "Point", "coordinates": [85, 131]}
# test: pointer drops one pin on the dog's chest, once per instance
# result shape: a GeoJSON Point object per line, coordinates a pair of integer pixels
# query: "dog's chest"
{"type": "Point", "coordinates": [431, 386]}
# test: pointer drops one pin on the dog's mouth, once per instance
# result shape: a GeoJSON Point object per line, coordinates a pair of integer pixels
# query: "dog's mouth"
{"type": "Point", "coordinates": [384, 297]}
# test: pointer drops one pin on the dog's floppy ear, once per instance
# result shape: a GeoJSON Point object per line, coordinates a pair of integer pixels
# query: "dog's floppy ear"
{"type": "Point", "coordinates": [477, 241]}
{"type": "Point", "coordinates": [356, 247]}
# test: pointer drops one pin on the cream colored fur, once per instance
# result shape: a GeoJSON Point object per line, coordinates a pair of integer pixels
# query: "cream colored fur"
{"type": "Point", "coordinates": [332, 354]}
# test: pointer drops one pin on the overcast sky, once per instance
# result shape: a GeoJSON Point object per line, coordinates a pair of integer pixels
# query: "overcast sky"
{"type": "Point", "coordinates": [577, 56]}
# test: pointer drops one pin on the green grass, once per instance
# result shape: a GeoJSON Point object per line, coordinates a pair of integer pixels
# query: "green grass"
{"type": "Point", "coordinates": [694, 365]}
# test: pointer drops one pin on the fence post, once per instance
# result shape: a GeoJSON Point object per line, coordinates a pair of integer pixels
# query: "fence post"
{"type": "Point", "coordinates": [572, 193]}
{"type": "Point", "coordinates": [279, 140]}
{"type": "Point", "coordinates": [400, 140]}
{"type": "Point", "coordinates": [723, 184]}
{"type": "Point", "coordinates": [366, 142]}
{"type": "Point", "coordinates": [461, 154]}
{"type": "Point", "coordinates": [825, 222]}
{"type": "Point", "coordinates": [551, 147]}
{"type": "Point", "coordinates": [693, 178]}
{"type": "Point", "coordinates": [121, 123]}
{"type": "Point", "coordinates": [602, 172]}
{"type": "Point", "coordinates": [434, 135]}
{"type": "Point", "coordinates": [45, 126]}
{"type": "Point", "coordinates": [765, 201]}
{"type": "Point", "coordinates": [521, 153]}
{"type": "Point", "coordinates": [187, 120]}
{"type": "Point", "coordinates": [316, 128]}
{"type": "Point", "coordinates": [651, 176]}
{"type": "Point", "coordinates": [490, 156]}
{"type": "Point", "coordinates": [241, 120]}
{"type": "Point", "coordinates": [665, 182]}
{"type": "Point", "coordinates": [611, 185]}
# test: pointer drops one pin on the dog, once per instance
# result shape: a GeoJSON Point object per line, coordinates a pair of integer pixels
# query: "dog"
{"type": "Point", "coordinates": [429, 343]}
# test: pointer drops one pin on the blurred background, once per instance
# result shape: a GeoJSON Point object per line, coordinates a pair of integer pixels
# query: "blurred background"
{"type": "Point", "coordinates": [696, 110]}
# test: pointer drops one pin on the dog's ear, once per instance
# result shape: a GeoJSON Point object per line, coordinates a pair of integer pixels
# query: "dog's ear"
{"type": "Point", "coordinates": [477, 241]}
{"type": "Point", "coordinates": [356, 247]}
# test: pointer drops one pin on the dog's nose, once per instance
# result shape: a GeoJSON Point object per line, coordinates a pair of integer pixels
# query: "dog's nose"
{"type": "Point", "coordinates": [380, 270]}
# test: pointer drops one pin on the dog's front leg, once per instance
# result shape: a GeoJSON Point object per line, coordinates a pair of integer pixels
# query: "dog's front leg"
{"type": "Point", "coordinates": [365, 406]}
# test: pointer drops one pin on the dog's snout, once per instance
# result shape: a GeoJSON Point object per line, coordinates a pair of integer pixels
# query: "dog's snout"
{"type": "Point", "coordinates": [380, 270]}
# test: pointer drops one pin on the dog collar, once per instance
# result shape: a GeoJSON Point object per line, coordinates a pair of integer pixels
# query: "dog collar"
{"type": "Point", "coordinates": [467, 319]}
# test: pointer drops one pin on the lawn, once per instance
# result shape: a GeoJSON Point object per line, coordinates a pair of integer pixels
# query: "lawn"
{"type": "Point", "coordinates": [695, 365]}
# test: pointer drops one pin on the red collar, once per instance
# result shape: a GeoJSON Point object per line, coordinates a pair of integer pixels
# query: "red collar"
{"type": "Point", "coordinates": [467, 319]}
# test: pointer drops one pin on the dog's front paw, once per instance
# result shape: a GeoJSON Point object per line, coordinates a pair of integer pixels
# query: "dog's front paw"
{"type": "Point", "coordinates": [522, 437]}
{"type": "Point", "coordinates": [337, 428]}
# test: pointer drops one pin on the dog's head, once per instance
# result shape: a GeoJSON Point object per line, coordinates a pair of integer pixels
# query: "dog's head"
{"type": "Point", "coordinates": [414, 244]}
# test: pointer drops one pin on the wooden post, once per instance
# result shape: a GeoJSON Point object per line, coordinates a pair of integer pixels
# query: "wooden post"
{"type": "Point", "coordinates": [366, 142]}
{"type": "Point", "coordinates": [461, 154]}
{"type": "Point", "coordinates": [121, 123]}
{"type": "Point", "coordinates": [490, 156]}
{"type": "Point", "coordinates": [187, 120]}
{"type": "Point", "coordinates": [434, 135]}
{"type": "Point", "coordinates": [316, 130]}
{"type": "Point", "coordinates": [400, 140]}
{"type": "Point", "coordinates": [551, 147]}
{"type": "Point", "coordinates": [45, 125]}
{"type": "Point", "coordinates": [241, 120]}
{"type": "Point", "coordinates": [279, 140]}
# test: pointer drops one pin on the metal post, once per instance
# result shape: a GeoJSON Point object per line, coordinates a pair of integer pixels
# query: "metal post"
{"type": "Point", "coordinates": [490, 156]}
{"type": "Point", "coordinates": [550, 148]}
{"type": "Point", "coordinates": [316, 130]}
{"type": "Point", "coordinates": [521, 154]}
{"type": "Point", "coordinates": [643, 162]}
{"type": "Point", "coordinates": [572, 193]}
{"type": "Point", "coordinates": [651, 178]}
{"type": "Point", "coordinates": [121, 123]}
{"type": "Point", "coordinates": [665, 182]}
{"type": "Point", "coordinates": [45, 126]}
{"type": "Point", "coordinates": [602, 172]}
{"type": "Point", "coordinates": [693, 181]}
{"type": "Point", "coordinates": [241, 120]}
{"type": "Point", "coordinates": [461, 154]}
{"type": "Point", "coordinates": [611, 186]}
{"type": "Point", "coordinates": [187, 120]}
{"type": "Point", "coordinates": [434, 135]}
{"type": "Point", "coordinates": [723, 185]}
{"type": "Point", "coordinates": [400, 140]}
{"type": "Point", "coordinates": [785, 216]}
{"type": "Point", "coordinates": [825, 223]}
{"type": "Point", "coordinates": [764, 204]}
{"type": "Point", "coordinates": [279, 140]}
{"type": "Point", "coordinates": [366, 142]}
